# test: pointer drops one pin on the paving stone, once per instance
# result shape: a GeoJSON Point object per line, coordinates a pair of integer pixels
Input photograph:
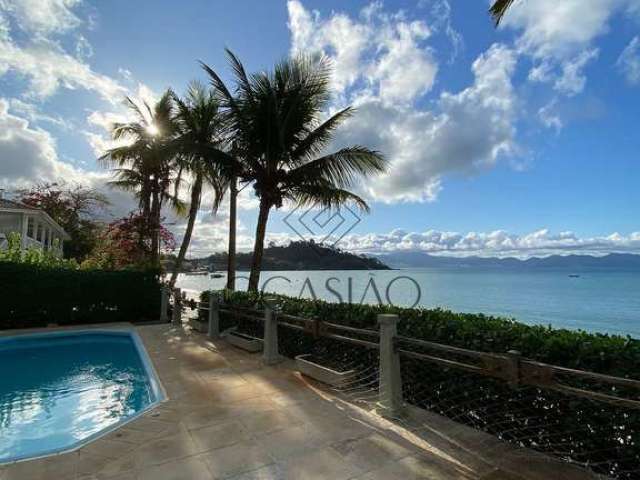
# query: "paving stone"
{"type": "Point", "coordinates": [191, 468]}
{"type": "Point", "coordinates": [163, 450]}
{"type": "Point", "coordinates": [218, 436]}
{"type": "Point", "coordinates": [371, 452]}
{"type": "Point", "coordinates": [229, 416]}
{"type": "Point", "coordinates": [270, 472]}
{"type": "Point", "coordinates": [269, 421]}
{"type": "Point", "coordinates": [290, 441]}
{"type": "Point", "coordinates": [107, 448]}
{"type": "Point", "coordinates": [319, 464]}
{"type": "Point", "coordinates": [236, 459]}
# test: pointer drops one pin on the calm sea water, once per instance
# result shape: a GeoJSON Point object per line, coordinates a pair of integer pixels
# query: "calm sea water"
{"type": "Point", "coordinates": [597, 301]}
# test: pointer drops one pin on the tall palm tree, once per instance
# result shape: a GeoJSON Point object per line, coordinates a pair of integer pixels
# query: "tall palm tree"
{"type": "Point", "coordinates": [277, 127]}
{"type": "Point", "coordinates": [199, 146]}
{"type": "Point", "coordinates": [499, 8]}
{"type": "Point", "coordinates": [233, 216]}
{"type": "Point", "coordinates": [144, 165]}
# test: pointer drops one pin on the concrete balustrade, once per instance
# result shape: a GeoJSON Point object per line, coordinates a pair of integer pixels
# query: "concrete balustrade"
{"type": "Point", "coordinates": [270, 353]}
{"type": "Point", "coordinates": [164, 304]}
{"type": "Point", "coordinates": [390, 389]}
{"type": "Point", "coordinates": [214, 315]}
{"type": "Point", "coordinates": [176, 317]}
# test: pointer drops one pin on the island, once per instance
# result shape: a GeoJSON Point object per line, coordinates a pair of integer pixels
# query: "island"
{"type": "Point", "coordinates": [297, 255]}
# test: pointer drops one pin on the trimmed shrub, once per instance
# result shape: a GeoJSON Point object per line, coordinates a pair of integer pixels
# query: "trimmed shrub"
{"type": "Point", "coordinates": [597, 435]}
{"type": "Point", "coordinates": [603, 353]}
{"type": "Point", "coordinates": [34, 296]}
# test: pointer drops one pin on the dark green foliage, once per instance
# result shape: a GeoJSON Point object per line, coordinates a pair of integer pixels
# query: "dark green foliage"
{"type": "Point", "coordinates": [298, 255]}
{"type": "Point", "coordinates": [32, 296]}
{"type": "Point", "coordinates": [601, 436]}
{"type": "Point", "coordinates": [610, 354]}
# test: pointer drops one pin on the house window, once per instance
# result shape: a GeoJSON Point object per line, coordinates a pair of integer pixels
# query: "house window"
{"type": "Point", "coordinates": [30, 225]}
{"type": "Point", "coordinates": [40, 232]}
{"type": "Point", "coordinates": [10, 222]}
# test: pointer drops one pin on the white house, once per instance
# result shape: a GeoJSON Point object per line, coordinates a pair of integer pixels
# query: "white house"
{"type": "Point", "coordinates": [35, 227]}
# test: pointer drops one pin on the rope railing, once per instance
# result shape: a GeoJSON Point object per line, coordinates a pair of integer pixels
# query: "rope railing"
{"type": "Point", "coordinates": [586, 418]}
{"type": "Point", "coordinates": [511, 368]}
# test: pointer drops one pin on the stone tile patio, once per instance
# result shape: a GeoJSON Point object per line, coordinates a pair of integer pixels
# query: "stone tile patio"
{"type": "Point", "coordinates": [230, 417]}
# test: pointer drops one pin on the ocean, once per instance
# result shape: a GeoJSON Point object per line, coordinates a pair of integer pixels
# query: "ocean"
{"type": "Point", "coordinates": [604, 301]}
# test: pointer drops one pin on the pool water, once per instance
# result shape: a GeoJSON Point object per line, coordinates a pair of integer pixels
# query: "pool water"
{"type": "Point", "coordinates": [60, 390]}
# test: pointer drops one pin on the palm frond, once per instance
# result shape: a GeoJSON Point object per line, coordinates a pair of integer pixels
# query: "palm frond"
{"type": "Point", "coordinates": [317, 139]}
{"type": "Point", "coordinates": [340, 168]}
{"type": "Point", "coordinates": [325, 195]}
{"type": "Point", "coordinates": [499, 9]}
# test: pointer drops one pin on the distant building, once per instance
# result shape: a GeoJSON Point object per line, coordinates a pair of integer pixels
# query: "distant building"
{"type": "Point", "coordinates": [36, 228]}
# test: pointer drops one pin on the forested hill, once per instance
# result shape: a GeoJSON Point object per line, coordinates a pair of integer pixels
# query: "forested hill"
{"type": "Point", "coordinates": [296, 256]}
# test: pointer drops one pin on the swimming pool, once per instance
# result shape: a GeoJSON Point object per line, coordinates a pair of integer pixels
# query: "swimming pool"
{"type": "Point", "coordinates": [61, 390]}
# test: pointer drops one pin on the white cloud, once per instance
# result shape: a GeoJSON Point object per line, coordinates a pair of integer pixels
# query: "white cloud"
{"type": "Point", "coordinates": [558, 36]}
{"type": "Point", "coordinates": [467, 132]}
{"type": "Point", "coordinates": [28, 155]}
{"type": "Point", "coordinates": [345, 38]}
{"type": "Point", "coordinates": [629, 61]}
{"type": "Point", "coordinates": [495, 243]}
{"type": "Point", "coordinates": [549, 117]}
{"type": "Point", "coordinates": [34, 54]}
{"type": "Point", "coordinates": [572, 79]}
{"type": "Point", "coordinates": [84, 50]}
{"type": "Point", "coordinates": [441, 13]}
{"type": "Point", "coordinates": [43, 17]}
{"type": "Point", "coordinates": [383, 52]}
{"type": "Point", "coordinates": [32, 112]}
{"type": "Point", "coordinates": [386, 79]}
{"type": "Point", "coordinates": [47, 68]}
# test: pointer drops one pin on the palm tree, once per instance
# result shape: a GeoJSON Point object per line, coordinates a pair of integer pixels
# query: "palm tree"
{"type": "Point", "coordinates": [144, 164]}
{"type": "Point", "coordinates": [198, 145]}
{"type": "Point", "coordinates": [277, 127]}
{"type": "Point", "coordinates": [233, 214]}
{"type": "Point", "coordinates": [499, 8]}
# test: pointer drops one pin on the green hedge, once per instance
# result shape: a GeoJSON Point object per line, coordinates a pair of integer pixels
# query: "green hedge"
{"type": "Point", "coordinates": [33, 296]}
{"type": "Point", "coordinates": [611, 354]}
{"type": "Point", "coordinates": [599, 435]}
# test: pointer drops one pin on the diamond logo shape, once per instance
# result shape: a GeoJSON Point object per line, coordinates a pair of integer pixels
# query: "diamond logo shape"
{"type": "Point", "coordinates": [322, 224]}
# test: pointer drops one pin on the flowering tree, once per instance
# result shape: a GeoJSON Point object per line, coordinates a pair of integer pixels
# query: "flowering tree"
{"type": "Point", "coordinates": [125, 244]}
{"type": "Point", "coordinates": [75, 208]}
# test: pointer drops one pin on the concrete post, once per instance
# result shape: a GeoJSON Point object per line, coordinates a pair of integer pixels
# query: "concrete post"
{"type": "Point", "coordinates": [270, 354]}
{"type": "Point", "coordinates": [214, 315]}
{"type": "Point", "coordinates": [164, 304]}
{"type": "Point", "coordinates": [390, 391]}
{"type": "Point", "coordinates": [513, 367]}
{"type": "Point", "coordinates": [177, 307]}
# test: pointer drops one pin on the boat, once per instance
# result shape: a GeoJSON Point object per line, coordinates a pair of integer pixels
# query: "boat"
{"type": "Point", "coordinates": [574, 275]}
{"type": "Point", "coordinates": [197, 272]}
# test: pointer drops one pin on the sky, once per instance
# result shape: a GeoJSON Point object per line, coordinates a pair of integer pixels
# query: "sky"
{"type": "Point", "coordinates": [521, 140]}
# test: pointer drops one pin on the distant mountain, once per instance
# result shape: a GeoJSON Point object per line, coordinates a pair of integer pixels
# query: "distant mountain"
{"type": "Point", "coordinates": [295, 256]}
{"type": "Point", "coordinates": [618, 261]}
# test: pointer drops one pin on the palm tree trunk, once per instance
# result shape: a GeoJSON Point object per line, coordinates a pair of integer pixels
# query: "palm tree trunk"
{"type": "Point", "coordinates": [145, 195]}
{"type": "Point", "coordinates": [196, 193]}
{"type": "Point", "coordinates": [231, 257]}
{"type": "Point", "coordinates": [258, 248]}
{"type": "Point", "coordinates": [154, 224]}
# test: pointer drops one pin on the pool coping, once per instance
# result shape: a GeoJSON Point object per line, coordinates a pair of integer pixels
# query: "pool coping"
{"type": "Point", "coordinates": [152, 374]}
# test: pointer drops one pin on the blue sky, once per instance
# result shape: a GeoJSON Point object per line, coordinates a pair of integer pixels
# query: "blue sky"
{"type": "Point", "coordinates": [521, 140]}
